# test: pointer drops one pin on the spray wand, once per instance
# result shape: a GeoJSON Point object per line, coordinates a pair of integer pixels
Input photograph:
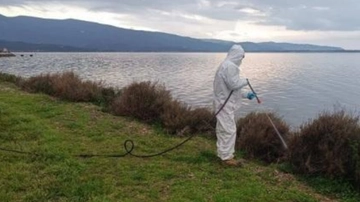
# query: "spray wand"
{"type": "Point", "coordinates": [272, 123]}
{"type": "Point", "coordinates": [257, 98]}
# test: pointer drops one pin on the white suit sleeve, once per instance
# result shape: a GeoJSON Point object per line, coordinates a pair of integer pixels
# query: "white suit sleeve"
{"type": "Point", "coordinates": [232, 78]}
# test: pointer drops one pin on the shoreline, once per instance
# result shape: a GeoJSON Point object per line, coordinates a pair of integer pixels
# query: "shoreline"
{"type": "Point", "coordinates": [7, 55]}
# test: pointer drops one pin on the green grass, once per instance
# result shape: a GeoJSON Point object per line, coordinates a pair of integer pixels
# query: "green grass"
{"type": "Point", "coordinates": [58, 130]}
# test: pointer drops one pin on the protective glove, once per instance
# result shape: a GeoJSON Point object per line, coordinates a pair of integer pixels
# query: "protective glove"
{"type": "Point", "coordinates": [251, 95]}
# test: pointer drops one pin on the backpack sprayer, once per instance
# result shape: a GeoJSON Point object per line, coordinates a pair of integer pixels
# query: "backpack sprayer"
{"type": "Point", "coordinates": [272, 123]}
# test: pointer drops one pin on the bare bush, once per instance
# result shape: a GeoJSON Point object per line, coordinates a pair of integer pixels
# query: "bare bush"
{"type": "Point", "coordinates": [257, 137]}
{"type": "Point", "coordinates": [328, 145]}
{"type": "Point", "coordinates": [144, 101]}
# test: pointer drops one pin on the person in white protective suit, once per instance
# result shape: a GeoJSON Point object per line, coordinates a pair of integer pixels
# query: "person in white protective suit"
{"type": "Point", "coordinates": [227, 79]}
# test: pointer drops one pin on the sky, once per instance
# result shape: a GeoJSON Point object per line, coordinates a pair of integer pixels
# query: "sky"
{"type": "Point", "coordinates": [321, 22]}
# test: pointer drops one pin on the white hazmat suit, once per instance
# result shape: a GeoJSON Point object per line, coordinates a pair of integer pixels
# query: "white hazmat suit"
{"type": "Point", "coordinates": [227, 79]}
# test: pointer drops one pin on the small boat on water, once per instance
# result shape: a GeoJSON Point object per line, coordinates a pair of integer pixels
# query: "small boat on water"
{"type": "Point", "coordinates": [5, 53]}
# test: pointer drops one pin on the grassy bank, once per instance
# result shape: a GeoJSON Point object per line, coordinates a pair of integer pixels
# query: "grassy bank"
{"type": "Point", "coordinates": [57, 129]}
{"type": "Point", "coordinates": [324, 153]}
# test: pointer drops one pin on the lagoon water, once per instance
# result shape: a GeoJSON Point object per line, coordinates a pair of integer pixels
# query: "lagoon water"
{"type": "Point", "coordinates": [297, 86]}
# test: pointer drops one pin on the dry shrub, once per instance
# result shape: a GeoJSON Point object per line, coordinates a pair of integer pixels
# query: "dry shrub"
{"type": "Point", "coordinates": [329, 145]}
{"type": "Point", "coordinates": [257, 137]}
{"type": "Point", "coordinates": [43, 83]}
{"type": "Point", "coordinates": [175, 116]}
{"type": "Point", "coordinates": [10, 78]}
{"type": "Point", "coordinates": [144, 101]}
{"type": "Point", "coordinates": [108, 94]}
{"type": "Point", "coordinates": [202, 120]}
{"type": "Point", "coordinates": [69, 86]}
{"type": "Point", "coordinates": [178, 118]}
{"type": "Point", "coordinates": [151, 103]}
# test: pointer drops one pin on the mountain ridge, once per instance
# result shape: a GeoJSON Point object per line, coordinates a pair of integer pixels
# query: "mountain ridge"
{"type": "Point", "coordinates": [43, 34]}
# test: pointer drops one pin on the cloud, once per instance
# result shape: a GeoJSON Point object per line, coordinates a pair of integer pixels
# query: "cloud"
{"type": "Point", "coordinates": [308, 15]}
{"type": "Point", "coordinates": [255, 20]}
{"type": "Point", "coordinates": [327, 16]}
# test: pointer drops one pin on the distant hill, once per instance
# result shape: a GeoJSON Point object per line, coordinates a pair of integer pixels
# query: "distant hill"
{"type": "Point", "coordinates": [272, 46]}
{"type": "Point", "coordinates": [29, 33]}
{"type": "Point", "coordinates": [279, 47]}
{"type": "Point", "coordinates": [15, 46]}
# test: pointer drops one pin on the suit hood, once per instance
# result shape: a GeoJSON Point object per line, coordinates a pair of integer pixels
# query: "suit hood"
{"type": "Point", "coordinates": [236, 54]}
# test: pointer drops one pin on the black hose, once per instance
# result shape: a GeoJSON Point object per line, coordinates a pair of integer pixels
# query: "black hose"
{"type": "Point", "coordinates": [129, 145]}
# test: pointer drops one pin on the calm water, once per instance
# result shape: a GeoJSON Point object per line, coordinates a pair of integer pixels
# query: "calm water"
{"type": "Point", "coordinates": [297, 86]}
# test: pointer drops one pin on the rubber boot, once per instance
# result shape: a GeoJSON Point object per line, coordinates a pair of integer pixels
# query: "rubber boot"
{"type": "Point", "coordinates": [233, 162]}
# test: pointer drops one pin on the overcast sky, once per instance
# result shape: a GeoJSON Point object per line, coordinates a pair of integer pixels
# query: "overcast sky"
{"type": "Point", "coordinates": [322, 22]}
